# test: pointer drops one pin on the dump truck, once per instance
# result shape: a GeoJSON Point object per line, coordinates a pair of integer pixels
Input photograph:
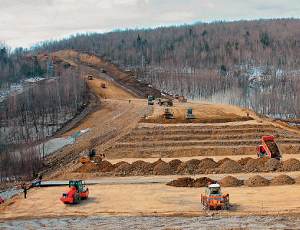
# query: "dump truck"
{"type": "Point", "coordinates": [268, 148]}
{"type": "Point", "coordinates": [150, 100]}
{"type": "Point", "coordinates": [189, 114]}
{"type": "Point", "coordinates": [77, 192]}
{"type": "Point", "coordinates": [213, 199]}
{"type": "Point", "coordinates": [168, 114]}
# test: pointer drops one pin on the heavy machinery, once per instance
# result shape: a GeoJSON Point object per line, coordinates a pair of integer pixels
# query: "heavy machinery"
{"type": "Point", "coordinates": [150, 100]}
{"type": "Point", "coordinates": [213, 199]}
{"type": "Point", "coordinates": [189, 114]}
{"type": "Point", "coordinates": [91, 157]}
{"type": "Point", "coordinates": [166, 102]}
{"type": "Point", "coordinates": [268, 148]}
{"type": "Point", "coordinates": [77, 192]}
{"type": "Point", "coordinates": [90, 77]}
{"type": "Point", "coordinates": [103, 71]}
{"type": "Point", "coordinates": [168, 114]}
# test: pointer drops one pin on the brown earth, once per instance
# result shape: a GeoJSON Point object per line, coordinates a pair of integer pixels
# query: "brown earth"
{"type": "Point", "coordinates": [162, 168]}
{"type": "Point", "coordinates": [182, 182]}
{"type": "Point", "coordinates": [230, 181]}
{"type": "Point", "coordinates": [230, 166]}
{"type": "Point", "coordinates": [291, 165]}
{"type": "Point", "coordinates": [257, 181]}
{"type": "Point", "coordinates": [282, 180]}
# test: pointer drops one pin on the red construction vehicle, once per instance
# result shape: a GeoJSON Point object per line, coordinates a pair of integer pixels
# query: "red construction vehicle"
{"type": "Point", "coordinates": [213, 198]}
{"type": "Point", "coordinates": [268, 148]}
{"type": "Point", "coordinates": [78, 191]}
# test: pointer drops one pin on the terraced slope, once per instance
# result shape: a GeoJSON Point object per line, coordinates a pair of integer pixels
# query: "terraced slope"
{"type": "Point", "coordinates": [238, 138]}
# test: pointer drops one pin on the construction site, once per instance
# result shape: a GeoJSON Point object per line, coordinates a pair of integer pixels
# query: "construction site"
{"type": "Point", "coordinates": [150, 154]}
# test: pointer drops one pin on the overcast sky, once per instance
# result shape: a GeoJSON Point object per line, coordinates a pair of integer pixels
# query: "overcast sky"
{"type": "Point", "coordinates": [25, 22]}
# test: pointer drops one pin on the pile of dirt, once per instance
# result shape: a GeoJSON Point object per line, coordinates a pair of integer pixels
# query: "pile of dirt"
{"type": "Point", "coordinates": [257, 181]}
{"type": "Point", "coordinates": [297, 180]}
{"type": "Point", "coordinates": [88, 167]}
{"type": "Point", "coordinates": [282, 180]}
{"type": "Point", "coordinates": [174, 165]}
{"type": "Point", "coordinates": [272, 165]}
{"type": "Point", "coordinates": [244, 161]}
{"type": "Point", "coordinates": [188, 167]}
{"type": "Point", "coordinates": [220, 162]}
{"type": "Point", "coordinates": [116, 165]}
{"type": "Point", "coordinates": [124, 169]}
{"type": "Point", "coordinates": [141, 168]}
{"type": "Point", "coordinates": [157, 162]}
{"type": "Point", "coordinates": [162, 168]}
{"type": "Point", "coordinates": [182, 182]}
{"type": "Point", "coordinates": [230, 166]}
{"type": "Point", "coordinates": [230, 181]}
{"type": "Point", "coordinates": [255, 165]}
{"type": "Point", "coordinates": [105, 166]}
{"type": "Point", "coordinates": [202, 182]}
{"type": "Point", "coordinates": [206, 165]}
{"type": "Point", "coordinates": [291, 165]}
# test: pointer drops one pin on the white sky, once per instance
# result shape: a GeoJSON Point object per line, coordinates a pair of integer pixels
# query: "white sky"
{"type": "Point", "coordinates": [25, 22]}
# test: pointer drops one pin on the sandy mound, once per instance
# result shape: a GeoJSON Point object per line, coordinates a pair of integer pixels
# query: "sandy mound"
{"type": "Point", "coordinates": [231, 181]}
{"type": "Point", "coordinates": [182, 182]}
{"type": "Point", "coordinates": [230, 166]}
{"type": "Point", "coordinates": [272, 165]}
{"type": "Point", "coordinates": [88, 167]}
{"type": "Point", "coordinates": [202, 182]}
{"type": "Point", "coordinates": [220, 162]}
{"type": "Point", "coordinates": [256, 165]}
{"type": "Point", "coordinates": [157, 162]}
{"type": "Point", "coordinates": [256, 181]}
{"type": "Point", "coordinates": [105, 166]}
{"type": "Point", "coordinates": [297, 180]}
{"type": "Point", "coordinates": [116, 165]}
{"type": "Point", "coordinates": [282, 180]}
{"type": "Point", "coordinates": [244, 161]}
{"type": "Point", "coordinates": [174, 164]}
{"type": "Point", "coordinates": [206, 165]}
{"type": "Point", "coordinates": [291, 165]}
{"type": "Point", "coordinates": [188, 167]}
{"type": "Point", "coordinates": [162, 168]}
{"type": "Point", "coordinates": [140, 168]}
{"type": "Point", "coordinates": [123, 169]}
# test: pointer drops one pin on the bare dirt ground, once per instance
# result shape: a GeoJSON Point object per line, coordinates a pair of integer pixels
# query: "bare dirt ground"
{"type": "Point", "coordinates": [153, 199]}
{"type": "Point", "coordinates": [116, 129]}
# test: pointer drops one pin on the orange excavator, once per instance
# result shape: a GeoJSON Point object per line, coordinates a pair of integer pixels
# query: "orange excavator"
{"type": "Point", "coordinates": [213, 199]}
{"type": "Point", "coordinates": [268, 148]}
{"type": "Point", "coordinates": [77, 192]}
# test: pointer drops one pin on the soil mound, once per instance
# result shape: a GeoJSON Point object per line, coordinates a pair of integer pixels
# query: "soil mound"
{"type": "Point", "coordinates": [124, 169]}
{"type": "Point", "coordinates": [231, 181]}
{"type": "Point", "coordinates": [291, 165]}
{"type": "Point", "coordinates": [202, 182]}
{"type": "Point", "coordinates": [162, 168]}
{"type": "Point", "coordinates": [182, 182]}
{"type": "Point", "coordinates": [297, 180]}
{"type": "Point", "coordinates": [206, 165]}
{"type": "Point", "coordinates": [157, 162]}
{"type": "Point", "coordinates": [105, 166]}
{"type": "Point", "coordinates": [88, 167]}
{"type": "Point", "coordinates": [256, 165]}
{"type": "Point", "coordinates": [244, 161]}
{"type": "Point", "coordinates": [220, 162]}
{"type": "Point", "coordinates": [141, 168]}
{"type": "Point", "coordinates": [257, 181]}
{"type": "Point", "coordinates": [174, 164]}
{"type": "Point", "coordinates": [116, 165]}
{"type": "Point", "coordinates": [188, 167]}
{"type": "Point", "coordinates": [230, 166]}
{"type": "Point", "coordinates": [272, 165]}
{"type": "Point", "coordinates": [282, 180]}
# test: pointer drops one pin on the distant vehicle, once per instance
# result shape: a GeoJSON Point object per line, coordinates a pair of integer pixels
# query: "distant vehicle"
{"type": "Point", "coordinates": [90, 77]}
{"type": "Point", "coordinates": [189, 114]}
{"type": "Point", "coordinates": [268, 148]}
{"type": "Point", "coordinates": [103, 71]}
{"type": "Point", "coordinates": [150, 100]}
{"type": "Point", "coordinates": [213, 198]}
{"type": "Point", "coordinates": [77, 192]}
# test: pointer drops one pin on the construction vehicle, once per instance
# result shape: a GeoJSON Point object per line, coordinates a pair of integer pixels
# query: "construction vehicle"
{"type": "Point", "coordinates": [268, 148]}
{"type": "Point", "coordinates": [103, 71]}
{"type": "Point", "coordinates": [103, 85]}
{"type": "Point", "coordinates": [77, 192]}
{"type": "Point", "coordinates": [168, 114]}
{"type": "Point", "coordinates": [91, 157]}
{"type": "Point", "coordinates": [165, 102]}
{"type": "Point", "coordinates": [150, 100]}
{"type": "Point", "coordinates": [213, 199]}
{"type": "Point", "coordinates": [90, 77]}
{"type": "Point", "coordinates": [189, 114]}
